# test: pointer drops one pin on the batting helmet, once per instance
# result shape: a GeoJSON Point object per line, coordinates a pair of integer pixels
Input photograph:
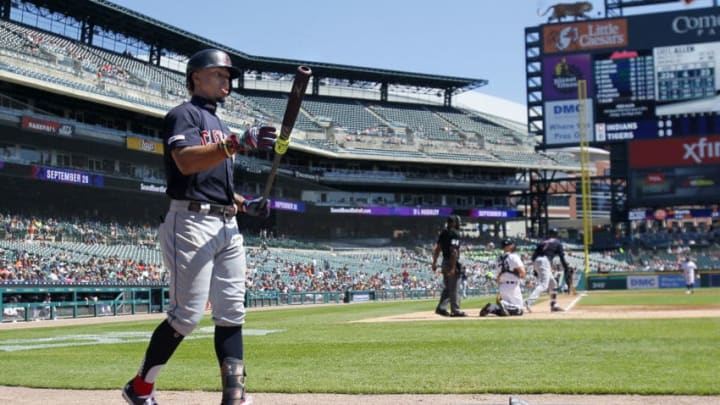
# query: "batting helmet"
{"type": "Point", "coordinates": [208, 58]}
{"type": "Point", "coordinates": [507, 242]}
{"type": "Point", "coordinates": [553, 232]}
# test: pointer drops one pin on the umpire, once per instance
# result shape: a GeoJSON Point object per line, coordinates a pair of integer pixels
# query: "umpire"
{"type": "Point", "coordinates": [449, 244]}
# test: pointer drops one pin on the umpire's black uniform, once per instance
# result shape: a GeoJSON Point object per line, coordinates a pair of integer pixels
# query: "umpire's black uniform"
{"type": "Point", "coordinates": [449, 244]}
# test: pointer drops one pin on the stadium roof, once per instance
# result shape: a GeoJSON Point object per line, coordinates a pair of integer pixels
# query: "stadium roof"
{"type": "Point", "coordinates": [132, 24]}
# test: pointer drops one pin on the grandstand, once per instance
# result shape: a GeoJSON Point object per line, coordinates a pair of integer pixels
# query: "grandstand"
{"type": "Point", "coordinates": [334, 134]}
{"type": "Point", "coordinates": [87, 103]}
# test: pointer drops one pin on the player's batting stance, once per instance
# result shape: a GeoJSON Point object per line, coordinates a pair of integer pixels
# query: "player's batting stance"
{"type": "Point", "coordinates": [202, 246]}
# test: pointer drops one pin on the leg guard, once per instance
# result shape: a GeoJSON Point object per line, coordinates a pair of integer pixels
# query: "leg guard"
{"type": "Point", "coordinates": [233, 382]}
{"type": "Point", "coordinates": [510, 309]}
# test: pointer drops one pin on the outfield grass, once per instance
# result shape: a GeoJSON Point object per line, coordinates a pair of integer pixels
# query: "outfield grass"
{"type": "Point", "coordinates": [318, 350]}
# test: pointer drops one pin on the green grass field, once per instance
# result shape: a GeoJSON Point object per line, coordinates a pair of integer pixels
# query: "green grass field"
{"type": "Point", "coordinates": [318, 349]}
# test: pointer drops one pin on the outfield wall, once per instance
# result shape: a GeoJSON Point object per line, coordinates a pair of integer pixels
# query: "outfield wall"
{"type": "Point", "coordinates": [649, 280]}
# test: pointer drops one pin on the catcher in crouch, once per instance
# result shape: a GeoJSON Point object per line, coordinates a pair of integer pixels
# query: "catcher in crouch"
{"type": "Point", "coordinates": [510, 299]}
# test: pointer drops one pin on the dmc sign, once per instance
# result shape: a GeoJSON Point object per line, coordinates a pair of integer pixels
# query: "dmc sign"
{"type": "Point", "coordinates": [639, 282]}
{"type": "Point", "coordinates": [566, 109]}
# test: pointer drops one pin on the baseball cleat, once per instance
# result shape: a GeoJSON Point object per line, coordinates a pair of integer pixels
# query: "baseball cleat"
{"type": "Point", "coordinates": [527, 307]}
{"type": "Point", "coordinates": [556, 309]}
{"type": "Point", "coordinates": [442, 312]}
{"type": "Point", "coordinates": [458, 314]}
{"type": "Point", "coordinates": [134, 399]}
{"type": "Point", "coordinates": [485, 310]}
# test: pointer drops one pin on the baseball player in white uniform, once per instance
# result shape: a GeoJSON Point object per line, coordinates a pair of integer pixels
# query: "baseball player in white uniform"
{"type": "Point", "coordinates": [512, 271]}
{"type": "Point", "coordinates": [688, 267]}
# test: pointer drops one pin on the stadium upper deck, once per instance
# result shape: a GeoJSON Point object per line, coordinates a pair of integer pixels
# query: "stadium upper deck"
{"type": "Point", "coordinates": [335, 127]}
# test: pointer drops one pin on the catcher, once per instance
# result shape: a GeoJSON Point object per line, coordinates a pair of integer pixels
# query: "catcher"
{"type": "Point", "coordinates": [509, 300]}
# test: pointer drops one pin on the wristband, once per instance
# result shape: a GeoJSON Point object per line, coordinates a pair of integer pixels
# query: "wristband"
{"type": "Point", "coordinates": [281, 145]}
{"type": "Point", "coordinates": [225, 148]}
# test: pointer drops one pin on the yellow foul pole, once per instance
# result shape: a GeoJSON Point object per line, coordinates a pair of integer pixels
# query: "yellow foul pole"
{"type": "Point", "coordinates": [585, 173]}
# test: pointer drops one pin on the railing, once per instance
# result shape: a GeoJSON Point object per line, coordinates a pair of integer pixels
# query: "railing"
{"type": "Point", "coordinates": [131, 300]}
{"type": "Point", "coordinates": [70, 301]}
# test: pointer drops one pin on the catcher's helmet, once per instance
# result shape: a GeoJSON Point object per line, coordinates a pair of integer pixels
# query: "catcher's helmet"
{"type": "Point", "coordinates": [454, 220]}
{"type": "Point", "coordinates": [208, 58]}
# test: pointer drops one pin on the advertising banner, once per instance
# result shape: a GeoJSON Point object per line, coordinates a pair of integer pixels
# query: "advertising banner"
{"type": "Point", "coordinates": [596, 282]}
{"type": "Point", "coordinates": [674, 152]}
{"type": "Point", "coordinates": [674, 281]}
{"type": "Point", "coordinates": [287, 205]}
{"type": "Point", "coordinates": [393, 211]}
{"type": "Point", "coordinates": [67, 176]}
{"type": "Point", "coordinates": [563, 124]}
{"type": "Point", "coordinates": [493, 213]}
{"type": "Point", "coordinates": [561, 73]}
{"type": "Point", "coordinates": [50, 127]}
{"type": "Point", "coordinates": [585, 36]}
{"type": "Point", "coordinates": [642, 282]}
{"type": "Point", "coordinates": [144, 145]}
{"type": "Point", "coordinates": [674, 28]}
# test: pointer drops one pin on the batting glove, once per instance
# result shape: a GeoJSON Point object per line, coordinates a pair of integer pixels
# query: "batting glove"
{"type": "Point", "coordinates": [259, 138]}
{"type": "Point", "coordinates": [254, 138]}
{"type": "Point", "coordinates": [257, 207]}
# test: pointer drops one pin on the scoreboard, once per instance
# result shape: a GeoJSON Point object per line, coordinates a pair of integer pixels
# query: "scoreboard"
{"type": "Point", "coordinates": [685, 72]}
{"type": "Point", "coordinates": [653, 76]}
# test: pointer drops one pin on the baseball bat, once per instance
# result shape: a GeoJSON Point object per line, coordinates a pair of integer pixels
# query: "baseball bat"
{"type": "Point", "coordinates": [302, 76]}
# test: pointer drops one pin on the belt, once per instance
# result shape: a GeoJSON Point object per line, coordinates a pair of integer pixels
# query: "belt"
{"type": "Point", "coordinates": [222, 211]}
{"type": "Point", "coordinates": [509, 282]}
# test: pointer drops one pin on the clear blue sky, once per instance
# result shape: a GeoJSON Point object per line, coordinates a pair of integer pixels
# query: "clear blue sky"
{"type": "Point", "coordinates": [481, 39]}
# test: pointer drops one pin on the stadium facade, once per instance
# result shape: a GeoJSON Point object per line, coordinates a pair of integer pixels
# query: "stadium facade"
{"type": "Point", "coordinates": [84, 86]}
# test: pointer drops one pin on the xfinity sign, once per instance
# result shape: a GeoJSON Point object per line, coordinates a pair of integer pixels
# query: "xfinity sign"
{"type": "Point", "coordinates": [701, 150]}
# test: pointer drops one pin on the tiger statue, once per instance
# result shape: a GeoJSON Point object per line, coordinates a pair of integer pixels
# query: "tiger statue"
{"type": "Point", "coordinates": [562, 10]}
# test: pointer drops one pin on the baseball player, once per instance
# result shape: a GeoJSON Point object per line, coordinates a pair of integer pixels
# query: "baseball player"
{"type": "Point", "coordinates": [688, 267]}
{"type": "Point", "coordinates": [512, 270]}
{"type": "Point", "coordinates": [542, 259]}
{"type": "Point", "coordinates": [202, 247]}
{"type": "Point", "coordinates": [449, 244]}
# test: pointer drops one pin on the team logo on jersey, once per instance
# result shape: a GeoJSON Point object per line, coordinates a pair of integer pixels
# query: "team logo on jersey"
{"type": "Point", "coordinates": [211, 136]}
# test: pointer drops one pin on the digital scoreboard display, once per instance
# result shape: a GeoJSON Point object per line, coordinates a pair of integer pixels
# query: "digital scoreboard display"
{"type": "Point", "coordinates": [653, 76]}
{"type": "Point", "coordinates": [685, 72]}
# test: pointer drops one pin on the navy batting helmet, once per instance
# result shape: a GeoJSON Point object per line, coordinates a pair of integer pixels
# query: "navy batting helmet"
{"type": "Point", "coordinates": [553, 232]}
{"type": "Point", "coordinates": [208, 58]}
{"type": "Point", "coordinates": [507, 242]}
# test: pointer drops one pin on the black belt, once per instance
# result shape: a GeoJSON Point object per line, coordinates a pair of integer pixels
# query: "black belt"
{"type": "Point", "coordinates": [222, 211]}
